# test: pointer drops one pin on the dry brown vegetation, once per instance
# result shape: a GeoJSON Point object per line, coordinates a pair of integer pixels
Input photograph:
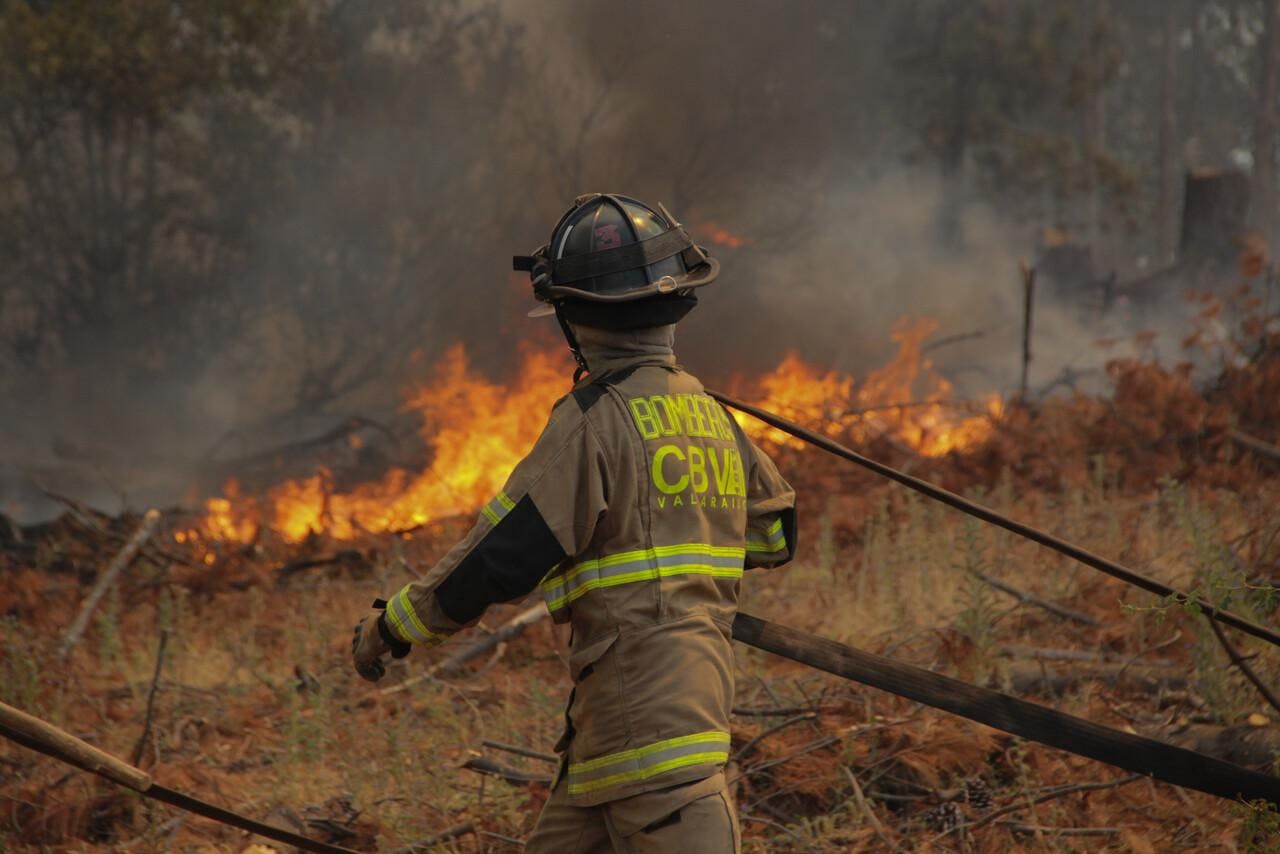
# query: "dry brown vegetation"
{"type": "Point", "coordinates": [258, 709]}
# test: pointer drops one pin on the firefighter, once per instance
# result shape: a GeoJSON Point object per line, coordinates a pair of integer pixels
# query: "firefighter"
{"type": "Point", "coordinates": [634, 515]}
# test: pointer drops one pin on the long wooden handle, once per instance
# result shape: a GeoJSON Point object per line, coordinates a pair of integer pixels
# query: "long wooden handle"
{"type": "Point", "coordinates": [1132, 752]}
{"type": "Point", "coordinates": [47, 738]}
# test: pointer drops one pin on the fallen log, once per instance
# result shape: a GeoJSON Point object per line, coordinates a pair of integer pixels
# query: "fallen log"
{"type": "Point", "coordinates": [1243, 744]}
{"type": "Point", "coordinates": [1257, 446]}
{"type": "Point", "coordinates": [1043, 678]}
{"type": "Point", "coordinates": [1031, 599]}
{"type": "Point", "coordinates": [1047, 726]}
{"type": "Point", "coordinates": [122, 559]}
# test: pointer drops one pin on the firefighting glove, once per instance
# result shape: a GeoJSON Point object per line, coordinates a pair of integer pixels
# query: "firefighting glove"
{"type": "Point", "coordinates": [374, 639]}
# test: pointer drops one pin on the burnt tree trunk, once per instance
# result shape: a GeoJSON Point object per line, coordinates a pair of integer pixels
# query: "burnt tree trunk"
{"type": "Point", "coordinates": [1093, 129]}
{"type": "Point", "coordinates": [1264, 126]}
{"type": "Point", "coordinates": [1167, 169]}
{"type": "Point", "coordinates": [1215, 211]}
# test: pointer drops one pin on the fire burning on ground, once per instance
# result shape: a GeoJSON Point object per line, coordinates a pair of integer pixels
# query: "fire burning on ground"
{"type": "Point", "coordinates": [476, 430]}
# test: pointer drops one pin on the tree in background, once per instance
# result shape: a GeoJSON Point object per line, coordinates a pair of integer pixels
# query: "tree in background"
{"type": "Point", "coordinates": [991, 88]}
{"type": "Point", "coordinates": [1265, 123]}
{"type": "Point", "coordinates": [261, 211]}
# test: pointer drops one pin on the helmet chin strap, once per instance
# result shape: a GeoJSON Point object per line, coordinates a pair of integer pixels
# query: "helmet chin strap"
{"type": "Point", "coordinates": [573, 345]}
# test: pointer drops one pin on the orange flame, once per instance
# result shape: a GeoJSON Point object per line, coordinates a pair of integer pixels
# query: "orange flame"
{"type": "Point", "coordinates": [476, 430]}
{"type": "Point", "coordinates": [905, 401]}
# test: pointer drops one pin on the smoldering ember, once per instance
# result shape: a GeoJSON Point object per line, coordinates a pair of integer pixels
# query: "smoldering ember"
{"type": "Point", "coordinates": [831, 426]}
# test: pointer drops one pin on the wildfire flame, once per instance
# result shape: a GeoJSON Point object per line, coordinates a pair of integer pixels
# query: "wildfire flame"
{"type": "Point", "coordinates": [476, 430]}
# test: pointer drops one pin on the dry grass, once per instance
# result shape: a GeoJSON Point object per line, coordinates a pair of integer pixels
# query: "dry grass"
{"type": "Point", "coordinates": [259, 708]}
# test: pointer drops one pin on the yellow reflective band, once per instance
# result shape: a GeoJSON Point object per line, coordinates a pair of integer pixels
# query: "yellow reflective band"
{"type": "Point", "coordinates": [499, 506]}
{"type": "Point", "coordinates": [648, 750]}
{"type": "Point", "coordinates": [772, 540]}
{"type": "Point", "coordinates": [718, 757]}
{"type": "Point", "coordinates": [643, 763]}
{"type": "Point", "coordinates": [416, 631]}
{"type": "Point", "coordinates": [650, 574]}
{"type": "Point", "coordinates": [643, 554]}
{"type": "Point", "coordinates": [754, 545]}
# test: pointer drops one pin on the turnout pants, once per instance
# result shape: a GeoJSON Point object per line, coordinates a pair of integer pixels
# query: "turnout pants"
{"type": "Point", "coordinates": [692, 817]}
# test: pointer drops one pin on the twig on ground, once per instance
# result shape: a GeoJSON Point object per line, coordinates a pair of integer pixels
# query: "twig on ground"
{"type": "Point", "coordinates": [1059, 831]}
{"type": "Point", "coordinates": [122, 559]}
{"type": "Point", "coordinates": [510, 840]}
{"type": "Point", "coordinates": [1177, 636]}
{"type": "Point", "coordinates": [771, 823]}
{"type": "Point", "coordinates": [866, 809]}
{"type": "Point", "coordinates": [151, 698]}
{"type": "Point", "coordinates": [520, 751]}
{"type": "Point", "coordinates": [1051, 795]}
{"type": "Point", "coordinates": [293, 567]}
{"type": "Point", "coordinates": [778, 760]}
{"type": "Point", "coordinates": [779, 712]}
{"type": "Point", "coordinates": [483, 765]}
{"type": "Point", "coordinates": [443, 836]}
{"type": "Point", "coordinates": [1242, 664]}
{"type": "Point", "coordinates": [742, 751]}
{"type": "Point", "coordinates": [1032, 599]}
{"type": "Point", "coordinates": [512, 628]}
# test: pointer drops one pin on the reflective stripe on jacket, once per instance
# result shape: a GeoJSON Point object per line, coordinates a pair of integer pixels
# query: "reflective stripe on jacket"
{"type": "Point", "coordinates": [634, 514]}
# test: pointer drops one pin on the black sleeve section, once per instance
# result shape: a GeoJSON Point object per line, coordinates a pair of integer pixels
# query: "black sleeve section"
{"type": "Point", "coordinates": [505, 565]}
{"type": "Point", "coordinates": [587, 396]}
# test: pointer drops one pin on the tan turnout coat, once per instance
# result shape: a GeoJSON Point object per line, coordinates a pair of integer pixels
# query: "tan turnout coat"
{"type": "Point", "coordinates": [634, 515]}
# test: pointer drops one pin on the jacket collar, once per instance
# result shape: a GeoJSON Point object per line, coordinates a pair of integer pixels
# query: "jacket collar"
{"type": "Point", "coordinates": [607, 350]}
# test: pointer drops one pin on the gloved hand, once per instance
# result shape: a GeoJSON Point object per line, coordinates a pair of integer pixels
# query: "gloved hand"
{"type": "Point", "coordinates": [373, 639]}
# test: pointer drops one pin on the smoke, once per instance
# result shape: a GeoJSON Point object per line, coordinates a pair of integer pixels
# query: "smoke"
{"type": "Point", "coordinates": [355, 215]}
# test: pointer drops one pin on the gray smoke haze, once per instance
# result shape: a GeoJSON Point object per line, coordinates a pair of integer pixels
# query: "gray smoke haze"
{"type": "Point", "coordinates": [328, 228]}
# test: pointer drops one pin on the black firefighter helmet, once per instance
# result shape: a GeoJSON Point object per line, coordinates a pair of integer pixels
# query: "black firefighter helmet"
{"type": "Point", "coordinates": [616, 263]}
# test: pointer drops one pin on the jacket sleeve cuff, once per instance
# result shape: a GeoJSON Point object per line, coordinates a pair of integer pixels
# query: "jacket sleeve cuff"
{"type": "Point", "coordinates": [405, 623]}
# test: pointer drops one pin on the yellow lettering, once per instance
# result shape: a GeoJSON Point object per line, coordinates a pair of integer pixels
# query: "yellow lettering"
{"type": "Point", "coordinates": [659, 479]}
{"type": "Point", "coordinates": [720, 470]}
{"type": "Point", "coordinates": [697, 469]}
{"type": "Point", "coordinates": [646, 421]}
{"type": "Point", "coordinates": [737, 481]}
{"type": "Point", "coordinates": [671, 425]}
{"type": "Point", "coordinates": [688, 414]}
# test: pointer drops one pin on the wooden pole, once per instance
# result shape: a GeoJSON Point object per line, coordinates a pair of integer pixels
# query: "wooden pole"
{"type": "Point", "coordinates": [47, 738]}
{"type": "Point", "coordinates": [44, 737]}
{"type": "Point", "coordinates": [1048, 726]}
{"type": "Point", "coordinates": [986, 514]}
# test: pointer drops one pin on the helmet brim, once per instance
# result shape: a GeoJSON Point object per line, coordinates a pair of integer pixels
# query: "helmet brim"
{"type": "Point", "coordinates": [703, 274]}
